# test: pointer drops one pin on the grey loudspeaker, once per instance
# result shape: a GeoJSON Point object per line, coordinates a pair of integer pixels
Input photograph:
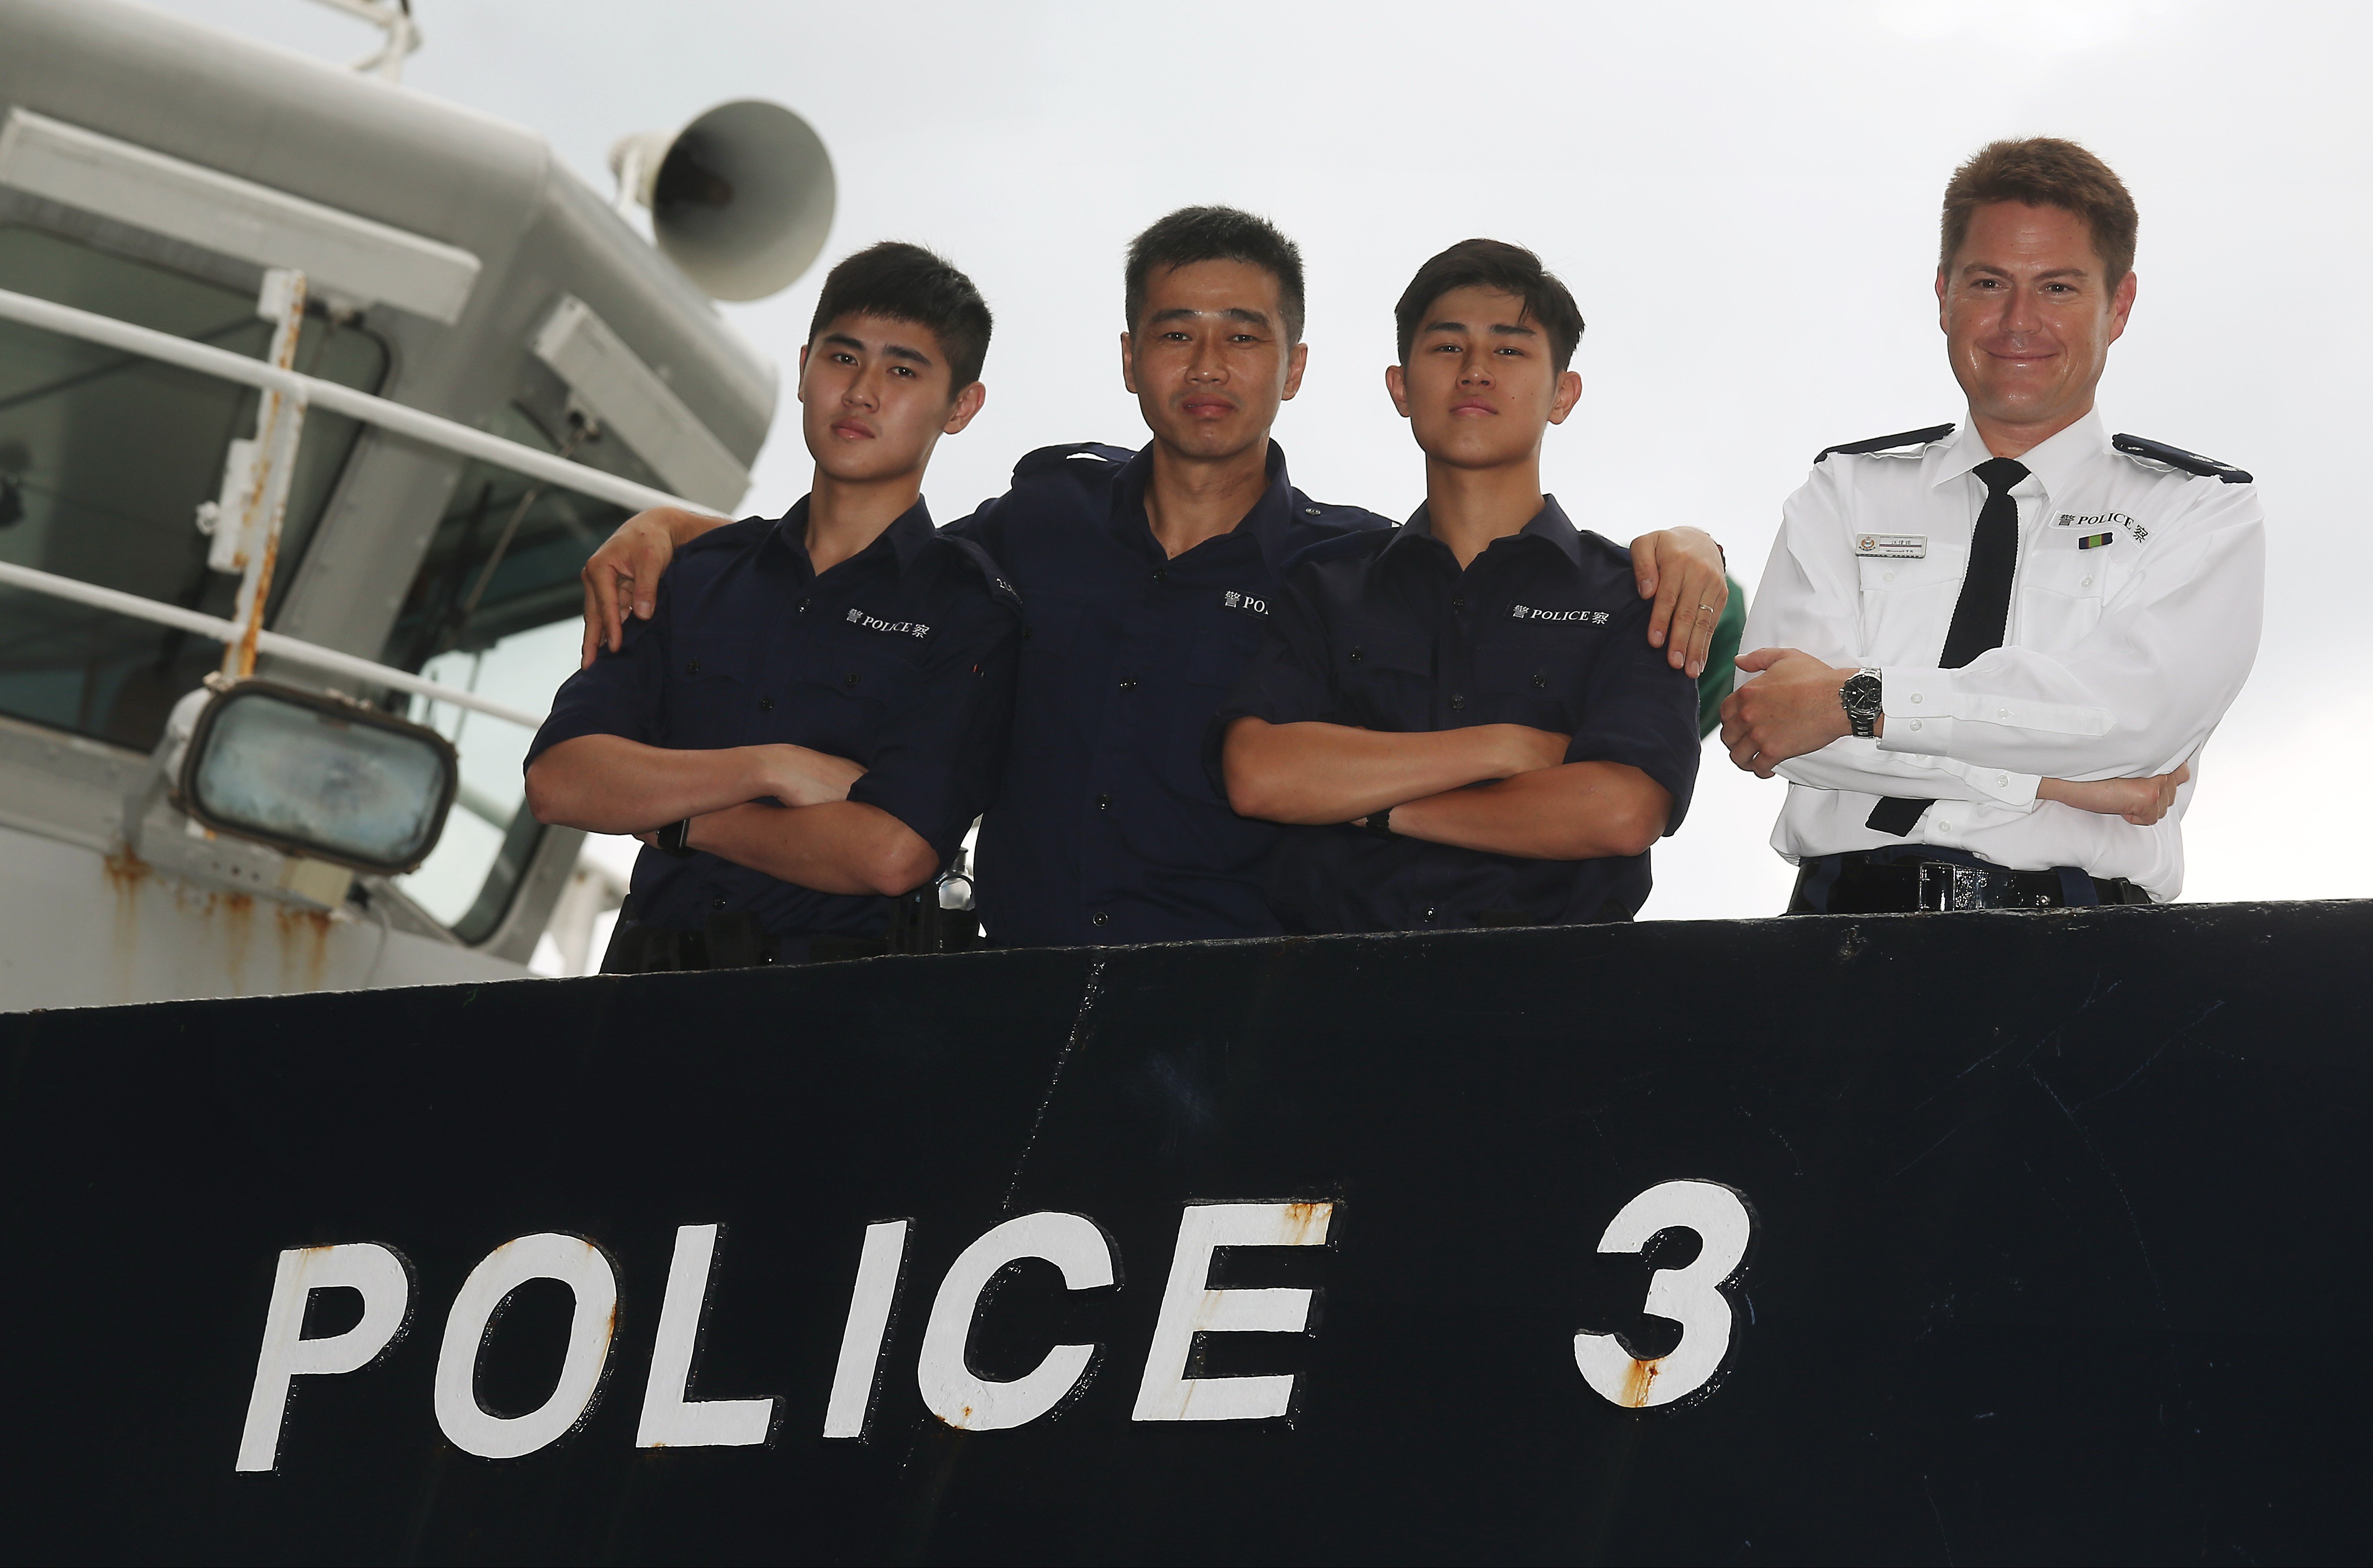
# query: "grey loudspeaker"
{"type": "Point", "coordinates": [740, 199]}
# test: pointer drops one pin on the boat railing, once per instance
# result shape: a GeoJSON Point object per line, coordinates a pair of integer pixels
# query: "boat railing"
{"type": "Point", "coordinates": [413, 424]}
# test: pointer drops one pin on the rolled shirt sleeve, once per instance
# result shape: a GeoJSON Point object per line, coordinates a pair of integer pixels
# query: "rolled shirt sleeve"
{"type": "Point", "coordinates": [1641, 711]}
{"type": "Point", "coordinates": [618, 693]}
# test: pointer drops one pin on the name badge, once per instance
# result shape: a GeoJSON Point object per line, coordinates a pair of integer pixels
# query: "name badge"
{"type": "Point", "coordinates": [1893, 546]}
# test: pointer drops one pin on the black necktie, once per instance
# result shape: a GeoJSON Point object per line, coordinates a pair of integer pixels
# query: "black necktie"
{"type": "Point", "coordinates": [1983, 610]}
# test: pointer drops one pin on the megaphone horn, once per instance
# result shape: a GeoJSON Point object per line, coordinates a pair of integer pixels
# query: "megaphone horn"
{"type": "Point", "coordinates": [740, 199]}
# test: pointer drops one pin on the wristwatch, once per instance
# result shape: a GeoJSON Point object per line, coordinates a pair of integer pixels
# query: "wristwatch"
{"type": "Point", "coordinates": [1380, 821]}
{"type": "Point", "coordinates": [1860, 695]}
{"type": "Point", "coordinates": [669, 840]}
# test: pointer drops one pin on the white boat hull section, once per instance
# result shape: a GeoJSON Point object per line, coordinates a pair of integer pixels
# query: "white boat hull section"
{"type": "Point", "coordinates": [80, 929]}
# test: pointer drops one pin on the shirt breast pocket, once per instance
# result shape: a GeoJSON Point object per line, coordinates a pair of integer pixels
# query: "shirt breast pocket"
{"type": "Point", "coordinates": [1219, 653]}
{"type": "Point", "coordinates": [2060, 590]}
{"type": "Point", "coordinates": [1385, 674]}
{"type": "Point", "coordinates": [1530, 674]}
{"type": "Point", "coordinates": [1908, 603]}
{"type": "Point", "coordinates": [709, 695]}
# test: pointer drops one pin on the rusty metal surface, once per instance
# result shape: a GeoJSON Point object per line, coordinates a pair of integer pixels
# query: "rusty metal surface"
{"type": "Point", "coordinates": [2058, 1245]}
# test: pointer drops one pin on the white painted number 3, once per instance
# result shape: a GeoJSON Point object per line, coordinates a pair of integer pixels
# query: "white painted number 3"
{"type": "Point", "coordinates": [1691, 1296]}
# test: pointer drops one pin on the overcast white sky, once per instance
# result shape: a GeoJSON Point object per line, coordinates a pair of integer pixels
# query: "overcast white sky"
{"type": "Point", "coordinates": [1742, 195]}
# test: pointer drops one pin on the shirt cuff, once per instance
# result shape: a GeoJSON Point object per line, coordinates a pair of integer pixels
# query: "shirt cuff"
{"type": "Point", "coordinates": [1918, 704]}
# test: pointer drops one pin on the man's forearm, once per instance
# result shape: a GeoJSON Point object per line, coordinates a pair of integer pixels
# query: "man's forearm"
{"type": "Point", "coordinates": [839, 847]}
{"type": "Point", "coordinates": [1580, 811]}
{"type": "Point", "coordinates": [1323, 773]}
{"type": "Point", "coordinates": [609, 784]}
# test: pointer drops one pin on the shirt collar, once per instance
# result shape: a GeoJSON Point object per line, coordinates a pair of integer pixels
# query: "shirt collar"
{"type": "Point", "coordinates": [2053, 463]}
{"type": "Point", "coordinates": [905, 535]}
{"type": "Point", "coordinates": [1265, 522]}
{"type": "Point", "coordinates": [1551, 523]}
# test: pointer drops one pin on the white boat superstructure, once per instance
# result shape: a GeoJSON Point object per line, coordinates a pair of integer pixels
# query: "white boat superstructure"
{"type": "Point", "coordinates": [307, 376]}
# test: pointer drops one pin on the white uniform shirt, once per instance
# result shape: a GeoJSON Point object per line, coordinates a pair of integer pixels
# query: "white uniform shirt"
{"type": "Point", "coordinates": [2134, 621]}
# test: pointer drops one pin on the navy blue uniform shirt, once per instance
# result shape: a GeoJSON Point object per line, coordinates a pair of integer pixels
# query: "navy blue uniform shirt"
{"type": "Point", "coordinates": [1106, 827]}
{"type": "Point", "coordinates": [1545, 628]}
{"type": "Point", "coordinates": [900, 658]}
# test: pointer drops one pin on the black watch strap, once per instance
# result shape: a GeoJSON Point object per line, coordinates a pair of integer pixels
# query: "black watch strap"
{"type": "Point", "coordinates": [671, 839]}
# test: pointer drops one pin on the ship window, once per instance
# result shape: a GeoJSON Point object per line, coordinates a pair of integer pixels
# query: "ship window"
{"type": "Point", "coordinates": [104, 459]}
{"type": "Point", "coordinates": [494, 609]}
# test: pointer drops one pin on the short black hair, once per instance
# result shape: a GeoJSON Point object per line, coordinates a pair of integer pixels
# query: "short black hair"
{"type": "Point", "coordinates": [1216, 234]}
{"type": "Point", "coordinates": [908, 283]}
{"type": "Point", "coordinates": [1505, 269]}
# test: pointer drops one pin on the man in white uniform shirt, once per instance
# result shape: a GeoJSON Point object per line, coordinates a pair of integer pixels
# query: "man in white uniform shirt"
{"type": "Point", "coordinates": [1986, 656]}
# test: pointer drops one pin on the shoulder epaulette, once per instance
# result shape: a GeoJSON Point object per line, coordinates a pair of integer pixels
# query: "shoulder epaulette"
{"type": "Point", "coordinates": [1888, 443]}
{"type": "Point", "coordinates": [1349, 542]}
{"type": "Point", "coordinates": [1354, 519]}
{"type": "Point", "coordinates": [2176, 457]}
{"type": "Point", "coordinates": [729, 535]}
{"type": "Point", "coordinates": [999, 588]}
{"type": "Point", "coordinates": [1047, 458]}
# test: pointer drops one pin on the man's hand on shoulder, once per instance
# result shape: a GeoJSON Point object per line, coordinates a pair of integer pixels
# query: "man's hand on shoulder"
{"type": "Point", "coordinates": [1682, 569]}
{"type": "Point", "coordinates": [627, 567]}
{"type": "Point", "coordinates": [1791, 707]}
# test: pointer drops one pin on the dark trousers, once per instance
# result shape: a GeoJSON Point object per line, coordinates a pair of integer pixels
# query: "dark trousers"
{"type": "Point", "coordinates": [1920, 876]}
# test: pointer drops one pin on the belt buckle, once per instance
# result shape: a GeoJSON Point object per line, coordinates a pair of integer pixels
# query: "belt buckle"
{"type": "Point", "coordinates": [1945, 886]}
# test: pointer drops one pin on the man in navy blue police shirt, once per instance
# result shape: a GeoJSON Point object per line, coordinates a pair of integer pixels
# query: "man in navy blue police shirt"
{"type": "Point", "coordinates": [1147, 577]}
{"type": "Point", "coordinates": [1462, 719]}
{"type": "Point", "coordinates": [816, 708]}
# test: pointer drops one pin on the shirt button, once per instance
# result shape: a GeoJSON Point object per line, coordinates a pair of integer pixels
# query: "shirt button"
{"type": "Point", "coordinates": [2087, 583]}
{"type": "Point", "coordinates": [1916, 696]}
{"type": "Point", "coordinates": [1457, 703]}
{"type": "Point", "coordinates": [1128, 686]}
{"type": "Point", "coordinates": [718, 905]}
{"type": "Point", "coordinates": [1915, 723]}
{"type": "Point", "coordinates": [1099, 919]}
{"type": "Point", "coordinates": [803, 606]}
{"type": "Point", "coordinates": [1161, 574]}
{"type": "Point", "coordinates": [693, 668]}
{"type": "Point", "coordinates": [1103, 802]}
{"type": "Point", "coordinates": [1357, 654]}
{"type": "Point", "coordinates": [1311, 511]}
{"type": "Point", "coordinates": [2001, 712]}
{"type": "Point", "coordinates": [1428, 915]}
{"type": "Point", "coordinates": [1458, 601]}
{"type": "Point", "coordinates": [1887, 577]}
{"type": "Point", "coordinates": [766, 705]}
{"type": "Point", "coordinates": [849, 679]}
{"type": "Point", "coordinates": [1540, 679]}
{"type": "Point", "coordinates": [2003, 779]}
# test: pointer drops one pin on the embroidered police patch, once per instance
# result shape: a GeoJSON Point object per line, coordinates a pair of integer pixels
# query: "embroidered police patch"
{"type": "Point", "coordinates": [1586, 617]}
{"type": "Point", "coordinates": [873, 624]}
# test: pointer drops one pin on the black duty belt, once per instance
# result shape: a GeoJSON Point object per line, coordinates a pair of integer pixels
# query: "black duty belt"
{"type": "Point", "coordinates": [1874, 884]}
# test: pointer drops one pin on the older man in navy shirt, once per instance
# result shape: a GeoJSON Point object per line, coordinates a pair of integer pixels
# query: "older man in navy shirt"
{"type": "Point", "coordinates": [1148, 578]}
{"type": "Point", "coordinates": [816, 708]}
{"type": "Point", "coordinates": [1462, 720]}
